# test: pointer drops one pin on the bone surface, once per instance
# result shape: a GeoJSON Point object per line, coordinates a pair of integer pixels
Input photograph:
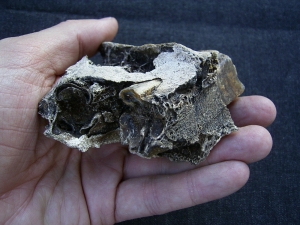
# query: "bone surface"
{"type": "Point", "coordinates": [159, 99]}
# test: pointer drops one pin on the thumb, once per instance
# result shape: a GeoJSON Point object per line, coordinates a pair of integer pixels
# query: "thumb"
{"type": "Point", "coordinates": [52, 50]}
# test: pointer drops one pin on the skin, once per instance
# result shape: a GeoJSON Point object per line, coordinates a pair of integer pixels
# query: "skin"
{"type": "Point", "coordinates": [45, 182]}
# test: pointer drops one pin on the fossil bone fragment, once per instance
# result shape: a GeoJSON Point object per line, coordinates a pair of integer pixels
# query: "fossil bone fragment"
{"type": "Point", "coordinates": [160, 100]}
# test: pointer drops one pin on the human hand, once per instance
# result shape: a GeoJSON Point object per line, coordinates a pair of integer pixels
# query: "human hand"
{"type": "Point", "coordinates": [43, 181]}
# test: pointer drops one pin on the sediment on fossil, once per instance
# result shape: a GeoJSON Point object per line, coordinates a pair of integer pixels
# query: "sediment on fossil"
{"type": "Point", "coordinates": [160, 100]}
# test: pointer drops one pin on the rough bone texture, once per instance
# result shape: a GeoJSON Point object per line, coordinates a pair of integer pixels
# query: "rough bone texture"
{"type": "Point", "coordinates": [160, 100]}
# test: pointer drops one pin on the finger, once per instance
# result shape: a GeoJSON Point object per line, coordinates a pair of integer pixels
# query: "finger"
{"type": "Point", "coordinates": [249, 110]}
{"type": "Point", "coordinates": [160, 194]}
{"type": "Point", "coordinates": [101, 171]}
{"type": "Point", "coordinates": [52, 50]}
{"type": "Point", "coordinates": [249, 144]}
{"type": "Point", "coordinates": [77, 38]}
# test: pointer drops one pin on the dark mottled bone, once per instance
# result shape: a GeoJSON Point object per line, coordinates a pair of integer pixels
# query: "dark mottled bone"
{"type": "Point", "coordinates": [160, 100]}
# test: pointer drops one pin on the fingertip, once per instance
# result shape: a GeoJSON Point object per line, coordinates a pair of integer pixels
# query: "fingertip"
{"type": "Point", "coordinates": [112, 27]}
{"type": "Point", "coordinates": [249, 144]}
{"type": "Point", "coordinates": [87, 35]}
{"type": "Point", "coordinates": [252, 110]}
{"type": "Point", "coordinates": [257, 143]}
{"type": "Point", "coordinates": [240, 173]}
{"type": "Point", "coordinates": [113, 21]}
{"type": "Point", "coordinates": [271, 111]}
{"type": "Point", "coordinates": [264, 143]}
{"type": "Point", "coordinates": [223, 179]}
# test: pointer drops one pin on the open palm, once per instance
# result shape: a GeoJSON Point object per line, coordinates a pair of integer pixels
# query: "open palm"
{"type": "Point", "coordinates": [45, 182]}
